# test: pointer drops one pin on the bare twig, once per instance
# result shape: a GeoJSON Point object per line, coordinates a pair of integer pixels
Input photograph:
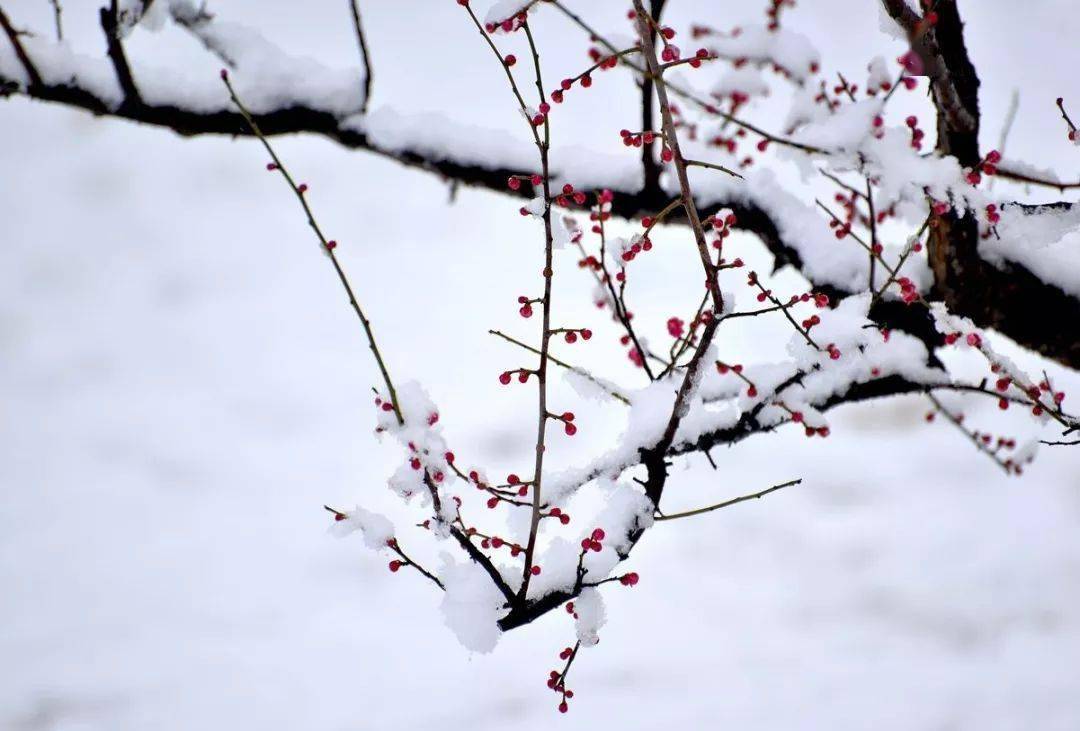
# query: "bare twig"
{"type": "Point", "coordinates": [365, 54]}
{"type": "Point", "coordinates": [13, 36]}
{"type": "Point", "coordinates": [972, 436]}
{"type": "Point", "coordinates": [394, 546]}
{"type": "Point", "coordinates": [57, 12]}
{"type": "Point", "coordinates": [705, 105]}
{"type": "Point", "coordinates": [727, 503]}
{"type": "Point", "coordinates": [110, 24]}
{"type": "Point", "coordinates": [573, 369]}
{"type": "Point", "coordinates": [327, 245]}
{"type": "Point", "coordinates": [1064, 115]}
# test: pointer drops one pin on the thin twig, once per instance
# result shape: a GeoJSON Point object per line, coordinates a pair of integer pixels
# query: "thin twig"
{"type": "Point", "coordinates": [959, 424]}
{"type": "Point", "coordinates": [394, 546]}
{"type": "Point", "coordinates": [1064, 115]}
{"type": "Point", "coordinates": [327, 245]}
{"type": "Point", "coordinates": [714, 166]}
{"type": "Point", "coordinates": [873, 229]}
{"type": "Point", "coordinates": [28, 65]}
{"type": "Point", "coordinates": [690, 96]}
{"type": "Point", "coordinates": [110, 24]}
{"type": "Point", "coordinates": [573, 369]}
{"type": "Point", "coordinates": [1006, 127]}
{"type": "Point", "coordinates": [365, 54]}
{"type": "Point", "coordinates": [57, 12]}
{"type": "Point", "coordinates": [726, 503]}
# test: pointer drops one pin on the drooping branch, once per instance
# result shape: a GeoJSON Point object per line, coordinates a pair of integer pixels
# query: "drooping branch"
{"type": "Point", "coordinates": [727, 503]}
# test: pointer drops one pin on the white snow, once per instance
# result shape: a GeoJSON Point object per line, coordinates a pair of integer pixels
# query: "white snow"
{"type": "Point", "coordinates": [789, 49]}
{"type": "Point", "coordinates": [591, 616]}
{"type": "Point", "coordinates": [186, 387]}
{"type": "Point", "coordinates": [376, 529]}
{"type": "Point", "coordinates": [471, 605]}
{"type": "Point", "coordinates": [1047, 243]}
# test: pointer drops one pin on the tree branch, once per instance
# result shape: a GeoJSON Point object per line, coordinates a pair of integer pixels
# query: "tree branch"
{"type": "Point", "coordinates": [365, 54]}
{"type": "Point", "coordinates": [110, 24]}
{"type": "Point", "coordinates": [727, 503]}
{"type": "Point", "coordinates": [1016, 318]}
{"type": "Point", "coordinates": [28, 66]}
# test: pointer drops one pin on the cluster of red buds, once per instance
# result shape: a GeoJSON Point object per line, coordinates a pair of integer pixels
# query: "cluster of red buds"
{"type": "Point", "coordinates": [824, 98]}
{"type": "Point", "coordinates": [522, 376]}
{"type": "Point", "coordinates": [569, 194]}
{"type": "Point", "coordinates": [539, 116]}
{"type": "Point", "coordinates": [601, 62]}
{"type": "Point", "coordinates": [675, 327]}
{"type": "Point", "coordinates": [722, 225]}
{"type": "Point", "coordinates": [916, 133]}
{"type": "Point", "coordinates": [1033, 392]}
{"type": "Point", "coordinates": [636, 356]}
{"type": "Point", "coordinates": [637, 139]}
{"type": "Point", "coordinates": [773, 12]}
{"type": "Point", "coordinates": [731, 143]}
{"type": "Point", "coordinates": [987, 165]}
{"type": "Point", "coordinates": [631, 252]}
{"type": "Point", "coordinates": [509, 25]}
{"type": "Point", "coordinates": [912, 63]}
{"type": "Point", "coordinates": [526, 309]}
{"type": "Point", "coordinates": [567, 419]}
{"type": "Point", "coordinates": [570, 335]}
{"type": "Point", "coordinates": [514, 181]}
{"type": "Point", "coordinates": [555, 679]}
{"type": "Point", "coordinates": [723, 369]}
{"type": "Point", "coordinates": [598, 215]}
{"type": "Point", "coordinates": [670, 51]}
{"type": "Point", "coordinates": [909, 293]}
{"type": "Point", "coordinates": [972, 339]}
{"type": "Point", "coordinates": [558, 513]}
{"type": "Point", "coordinates": [593, 542]}
{"type": "Point", "coordinates": [993, 217]}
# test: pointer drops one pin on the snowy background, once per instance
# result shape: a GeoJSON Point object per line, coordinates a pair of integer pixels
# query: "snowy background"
{"type": "Point", "coordinates": [182, 386]}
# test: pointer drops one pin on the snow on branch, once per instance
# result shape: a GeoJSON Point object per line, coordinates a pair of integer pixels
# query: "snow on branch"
{"type": "Point", "coordinates": [911, 254]}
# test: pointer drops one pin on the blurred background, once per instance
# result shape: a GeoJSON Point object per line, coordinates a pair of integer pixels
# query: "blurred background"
{"type": "Point", "coordinates": [182, 387]}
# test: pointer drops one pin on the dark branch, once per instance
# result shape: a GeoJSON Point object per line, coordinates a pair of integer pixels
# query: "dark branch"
{"type": "Point", "coordinates": [365, 54]}
{"type": "Point", "coordinates": [110, 24]}
{"type": "Point", "coordinates": [28, 65]}
{"type": "Point", "coordinates": [1016, 319]}
{"type": "Point", "coordinates": [57, 12]}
